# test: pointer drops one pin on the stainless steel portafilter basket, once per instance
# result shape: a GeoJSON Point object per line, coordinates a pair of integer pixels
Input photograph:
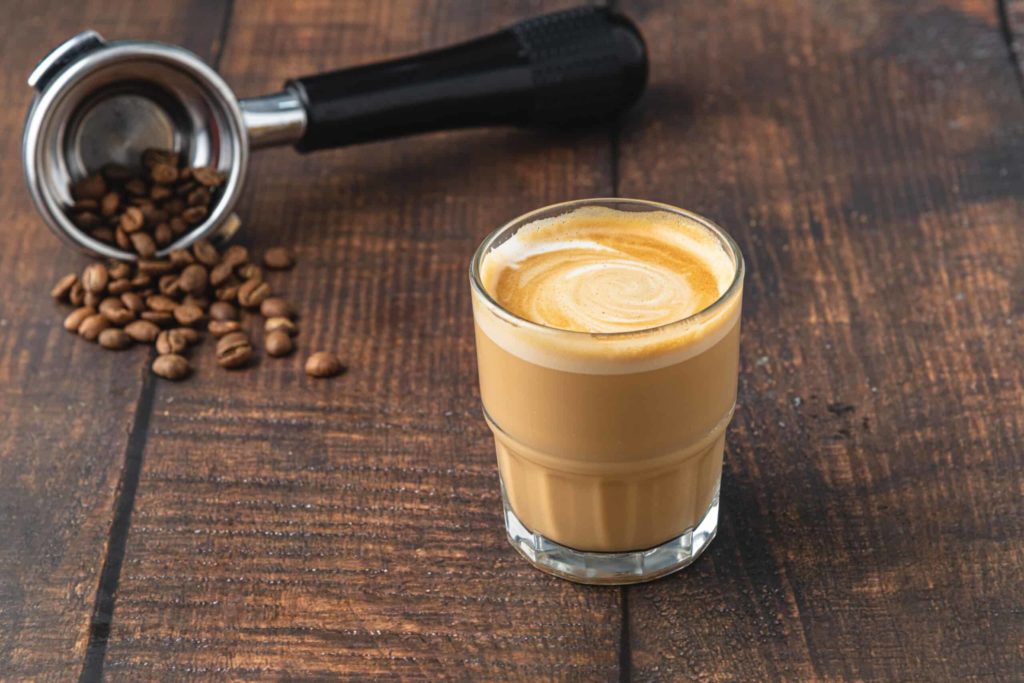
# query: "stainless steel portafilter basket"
{"type": "Point", "coordinates": [100, 102]}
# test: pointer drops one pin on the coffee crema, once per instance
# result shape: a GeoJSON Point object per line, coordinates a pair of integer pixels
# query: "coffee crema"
{"type": "Point", "coordinates": [601, 270]}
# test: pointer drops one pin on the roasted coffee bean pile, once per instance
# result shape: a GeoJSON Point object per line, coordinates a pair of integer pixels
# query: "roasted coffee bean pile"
{"type": "Point", "coordinates": [166, 302]}
{"type": "Point", "coordinates": [145, 211]}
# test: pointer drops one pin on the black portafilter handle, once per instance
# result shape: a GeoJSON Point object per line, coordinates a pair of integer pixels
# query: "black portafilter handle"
{"type": "Point", "coordinates": [574, 67]}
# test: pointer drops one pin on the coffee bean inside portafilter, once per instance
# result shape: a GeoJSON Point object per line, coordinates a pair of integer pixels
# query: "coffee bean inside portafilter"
{"type": "Point", "coordinates": [166, 301]}
{"type": "Point", "coordinates": [145, 210]}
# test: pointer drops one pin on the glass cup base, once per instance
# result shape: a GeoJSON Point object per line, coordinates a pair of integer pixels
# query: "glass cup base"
{"type": "Point", "coordinates": [611, 569]}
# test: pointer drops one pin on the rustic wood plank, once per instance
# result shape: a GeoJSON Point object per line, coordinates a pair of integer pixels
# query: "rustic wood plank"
{"type": "Point", "coordinates": [67, 407]}
{"type": "Point", "coordinates": [292, 527]}
{"type": "Point", "coordinates": [867, 156]}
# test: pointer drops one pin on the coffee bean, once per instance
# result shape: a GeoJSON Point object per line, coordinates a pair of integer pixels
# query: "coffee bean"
{"type": "Point", "coordinates": [235, 255]}
{"type": "Point", "coordinates": [160, 192]}
{"type": "Point", "coordinates": [103, 235]}
{"type": "Point", "coordinates": [160, 302]}
{"type": "Point", "coordinates": [154, 155]}
{"type": "Point", "coordinates": [181, 257]}
{"type": "Point", "coordinates": [282, 324]}
{"type": "Point", "coordinates": [161, 318]}
{"type": "Point", "coordinates": [109, 305]}
{"type": "Point", "coordinates": [110, 203]}
{"type": "Point", "coordinates": [189, 334]}
{"type": "Point", "coordinates": [253, 293]}
{"type": "Point", "coordinates": [90, 187]}
{"type": "Point", "coordinates": [154, 266]}
{"type": "Point", "coordinates": [168, 285]}
{"type": "Point", "coordinates": [75, 318]}
{"type": "Point", "coordinates": [163, 173]}
{"type": "Point", "coordinates": [121, 239]}
{"type": "Point", "coordinates": [95, 277]}
{"type": "Point", "coordinates": [237, 337]}
{"type": "Point", "coordinates": [87, 220]}
{"type": "Point", "coordinates": [119, 287]}
{"type": "Point", "coordinates": [194, 214]}
{"type": "Point", "coordinates": [222, 310]}
{"type": "Point", "coordinates": [205, 252]}
{"type": "Point", "coordinates": [198, 197]}
{"type": "Point", "coordinates": [200, 301]}
{"type": "Point", "coordinates": [162, 235]}
{"type": "Point", "coordinates": [143, 331]}
{"type": "Point", "coordinates": [174, 206]}
{"type": "Point", "coordinates": [132, 220]}
{"type": "Point", "coordinates": [194, 279]}
{"type": "Point", "coordinates": [276, 307]}
{"type": "Point", "coordinates": [178, 226]}
{"type": "Point", "coordinates": [210, 177]}
{"type": "Point", "coordinates": [114, 310]}
{"type": "Point", "coordinates": [133, 302]}
{"type": "Point", "coordinates": [323, 364]}
{"type": "Point", "coordinates": [92, 299]}
{"type": "Point", "coordinates": [171, 366]}
{"type": "Point", "coordinates": [185, 189]}
{"type": "Point", "coordinates": [226, 293]}
{"type": "Point", "coordinates": [170, 341]}
{"type": "Point", "coordinates": [229, 226]}
{"type": "Point", "coordinates": [188, 314]}
{"type": "Point", "coordinates": [250, 271]}
{"type": "Point", "coordinates": [143, 244]}
{"type": "Point", "coordinates": [153, 215]}
{"type": "Point", "coordinates": [114, 339]}
{"type": "Point", "coordinates": [278, 343]}
{"type": "Point", "coordinates": [141, 280]}
{"type": "Point", "coordinates": [278, 258]}
{"type": "Point", "coordinates": [136, 187]}
{"type": "Point", "coordinates": [62, 289]}
{"type": "Point", "coordinates": [234, 350]}
{"type": "Point", "coordinates": [76, 297]}
{"type": "Point", "coordinates": [119, 270]}
{"type": "Point", "coordinates": [218, 328]}
{"type": "Point", "coordinates": [92, 326]}
{"type": "Point", "coordinates": [221, 273]}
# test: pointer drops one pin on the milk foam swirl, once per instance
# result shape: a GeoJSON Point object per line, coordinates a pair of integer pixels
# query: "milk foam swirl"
{"type": "Point", "coordinates": [597, 269]}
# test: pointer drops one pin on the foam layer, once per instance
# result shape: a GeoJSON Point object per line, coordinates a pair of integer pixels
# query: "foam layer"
{"type": "Point", "coordinates": [606, 272]}
{"type": "Point", "coordinates": [601, 270]}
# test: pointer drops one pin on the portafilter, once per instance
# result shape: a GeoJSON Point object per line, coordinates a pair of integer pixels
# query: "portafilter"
{"type": "Point", "coordinates": [100, 102]}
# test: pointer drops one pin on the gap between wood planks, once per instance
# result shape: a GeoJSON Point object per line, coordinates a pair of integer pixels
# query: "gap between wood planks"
{"type": "Point", "coordinates": [1007, 24]}
{"type": "Point", "coordinates": [625, 652]}
{"type": "Point", "coordinates": [128, 484]}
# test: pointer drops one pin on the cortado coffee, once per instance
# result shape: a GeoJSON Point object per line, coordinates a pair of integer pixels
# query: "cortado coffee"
{"type": "Point", "coordinates": [607, 339]}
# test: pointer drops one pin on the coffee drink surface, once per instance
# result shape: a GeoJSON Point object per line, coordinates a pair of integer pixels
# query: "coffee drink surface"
{"type": "Point", "coordinates": [607, 343]}
{"type": "Point", "coordinates": [601, 270]}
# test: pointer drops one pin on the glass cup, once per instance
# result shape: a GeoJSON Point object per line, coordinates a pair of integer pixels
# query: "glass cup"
{"type": "Point", "coordinates": [609, 445]}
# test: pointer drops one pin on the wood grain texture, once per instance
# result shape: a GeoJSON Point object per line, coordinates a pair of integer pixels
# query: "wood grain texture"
{"type": "Point", "coordinates": [867, 156]}
{"type": "Point", "coordinates": [289, 527]}
{"type": "Point", "coordinates": [67, 408]}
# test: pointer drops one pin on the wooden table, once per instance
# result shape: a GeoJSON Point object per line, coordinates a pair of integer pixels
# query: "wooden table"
{"type": "Point", "coordinates": [867, 156]}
